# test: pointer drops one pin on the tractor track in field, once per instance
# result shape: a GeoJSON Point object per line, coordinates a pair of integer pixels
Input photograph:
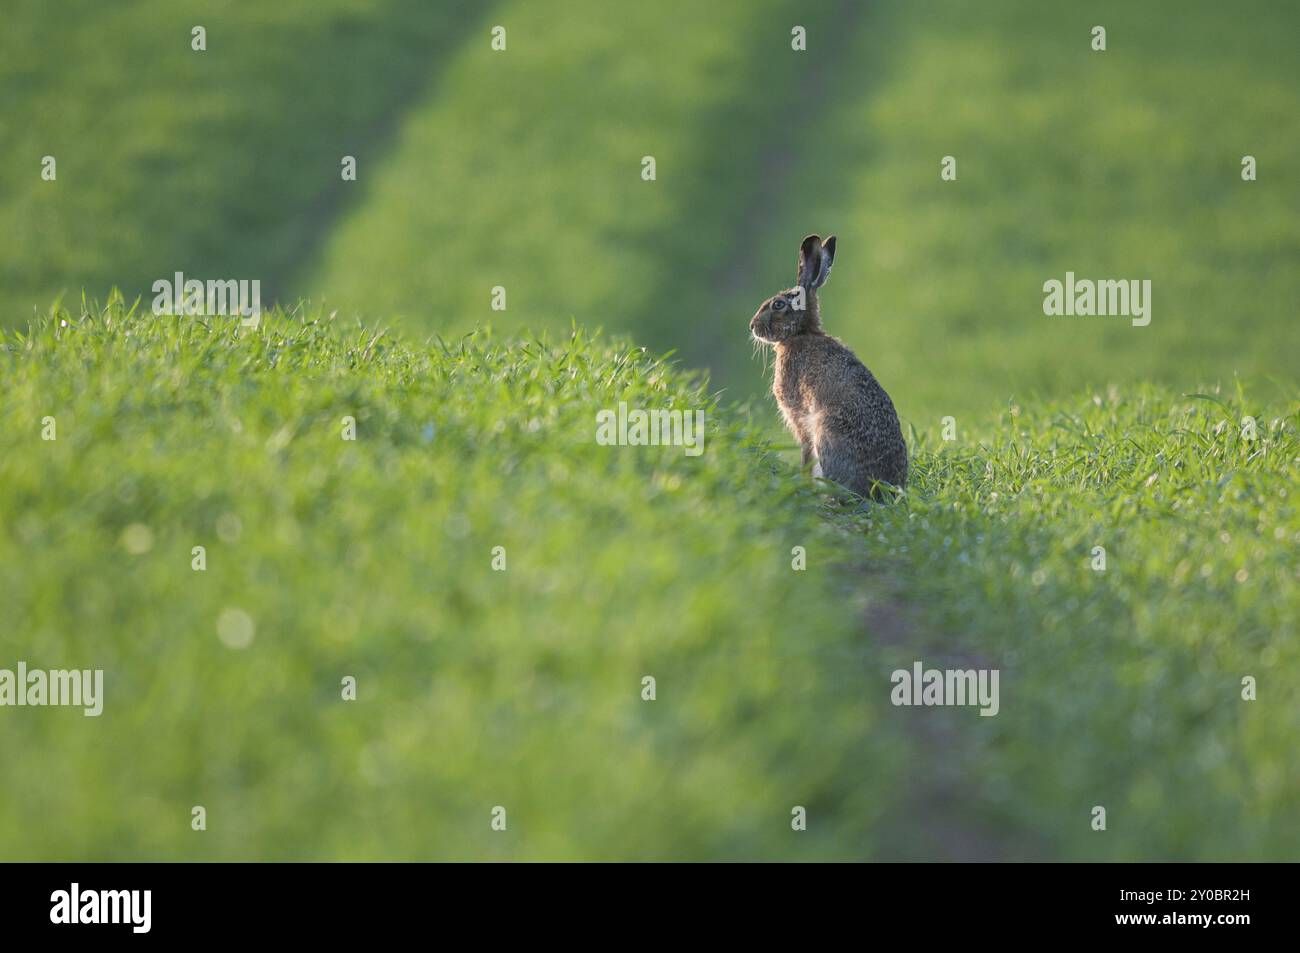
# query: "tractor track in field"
{"type": "Point", "coordinates": [375, 141]}
{"type": "Point", "coordinates": [935, 817]}
{"type": "Point", "coordinates": [775, 176]}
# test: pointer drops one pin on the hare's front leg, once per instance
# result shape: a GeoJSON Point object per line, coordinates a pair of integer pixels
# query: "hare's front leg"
{"type": "Point", "coordinates": [808, 442]}
{"type": "Point", "coordinates": [810, 456]}
{"type": "Point", "coordinates": [795, 424]}
{"type": "Point", "coordinates": [809, 448]}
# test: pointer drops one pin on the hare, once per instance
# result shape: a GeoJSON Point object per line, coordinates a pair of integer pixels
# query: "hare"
{"type": "Point", "coordinates": [843, 419]}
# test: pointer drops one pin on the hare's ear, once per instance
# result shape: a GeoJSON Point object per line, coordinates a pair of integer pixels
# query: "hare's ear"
{"type": "Point", "coordinates": [810, 261]}
{"type": "Point", "coordinates": [828, 259]}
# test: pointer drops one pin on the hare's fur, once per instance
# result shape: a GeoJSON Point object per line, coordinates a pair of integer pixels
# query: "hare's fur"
{"type": "Point", "coordinates": [843, 419]}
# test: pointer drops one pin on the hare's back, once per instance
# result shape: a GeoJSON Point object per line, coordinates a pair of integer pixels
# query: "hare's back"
{"type": "Point", "coordinates": [840, 378]}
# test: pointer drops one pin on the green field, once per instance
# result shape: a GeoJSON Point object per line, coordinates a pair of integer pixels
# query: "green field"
{"type": "Point", "coordinates": [373, 558]}
{"type": "Point", "coordinates": [522, 687]}
{"type": "Point", "coordinates": [1173, 446]}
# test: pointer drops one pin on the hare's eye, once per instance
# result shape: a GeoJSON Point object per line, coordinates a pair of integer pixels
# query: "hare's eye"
{"type": "Point", "coordinates": [778, 304]}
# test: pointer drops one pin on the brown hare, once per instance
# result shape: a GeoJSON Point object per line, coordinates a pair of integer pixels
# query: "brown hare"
{"type": "Point", "coordinates": [839, 413]}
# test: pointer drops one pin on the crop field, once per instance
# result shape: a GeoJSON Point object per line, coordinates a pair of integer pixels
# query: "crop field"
{"type": "Point", "coordinates": [363, 573]}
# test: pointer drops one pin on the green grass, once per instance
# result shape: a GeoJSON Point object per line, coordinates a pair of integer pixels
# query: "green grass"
{"type": "Point", "coordinates": [373, 559]}
{"type": "Point", "coordinates": [521, 688]}
{"type": "Point", "coordinates": [1120, 688]}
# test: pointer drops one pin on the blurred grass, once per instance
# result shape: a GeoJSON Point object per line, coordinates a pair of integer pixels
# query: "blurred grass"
{"type": "Point", "coordinates": [1124, 163]}
{"type": "Point", "coordinates": [525, 172]}
{"type": "Point", "coordinates": [219, 164]}
{"type": "Point", "coordinates": [522, 169]}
